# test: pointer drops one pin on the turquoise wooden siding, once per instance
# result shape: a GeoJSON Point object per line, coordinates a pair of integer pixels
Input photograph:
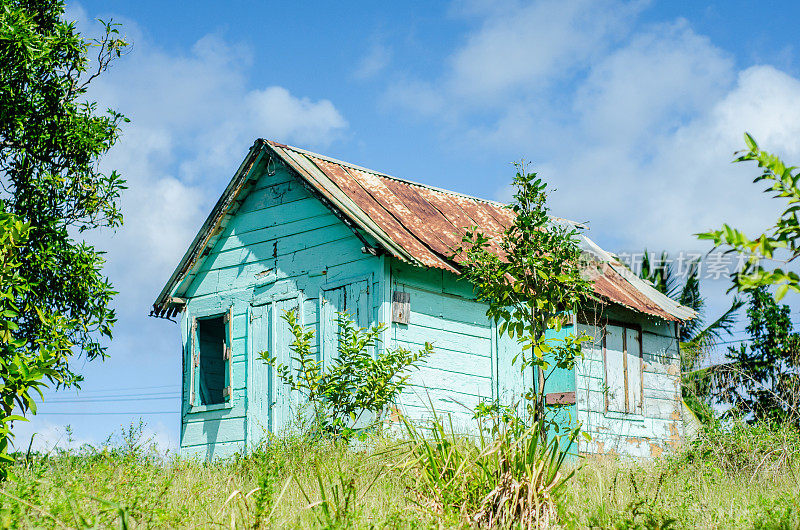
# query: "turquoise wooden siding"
{"type": "Point", "coordinates": [561, 380]}
{"type": "Point", "coordinates": [282, 250]}
{"type": "Point", "coordinates": [469, 364]}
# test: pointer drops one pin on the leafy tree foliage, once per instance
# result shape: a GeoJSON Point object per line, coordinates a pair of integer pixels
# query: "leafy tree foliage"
{"type": "Point", "coordinates": [762, 379]}
{"type": "Point", "coordinates": [779, 242]}
{"type": "Point", "coordinates": [57, 298]}
{"type": "Point", "coordinates": [531, 278]}
{"type": "Point", "coordinates": [354, 384]}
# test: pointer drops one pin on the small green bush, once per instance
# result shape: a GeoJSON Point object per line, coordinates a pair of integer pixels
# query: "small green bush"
{"type": "Point", "coordinates": [354, 385]}
{"type": "Point", "coordinates": [760, 449]}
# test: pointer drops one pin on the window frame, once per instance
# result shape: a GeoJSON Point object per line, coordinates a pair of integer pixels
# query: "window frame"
{"type": "Point", "coordinates": [326, 327]}
{"type": "Point", "coordinates": [638, 329]}
{"type": "Point", "coordinates": [194, 361]}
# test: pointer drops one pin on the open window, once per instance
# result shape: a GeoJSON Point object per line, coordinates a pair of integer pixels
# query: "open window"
{"type": "Point", "coordinates": [622, 359]}
{"type": "Point", "coordinates": [211, 360]}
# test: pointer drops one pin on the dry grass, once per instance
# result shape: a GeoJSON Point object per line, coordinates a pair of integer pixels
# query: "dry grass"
{"type": "Point", "coordinates": [101, 487]}
{"type": "Point", "coordinates": [743, 479]}
{"type": "Point", "coordinates": [746, 477]}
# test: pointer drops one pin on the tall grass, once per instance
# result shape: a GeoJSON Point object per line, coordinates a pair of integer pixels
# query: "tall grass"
{"type": "Point", "coordinates": [745, 477]}
{"type": "Point", "coordinates": [279, 485]}
{"type": "Point", "coordinates": [512, 478]}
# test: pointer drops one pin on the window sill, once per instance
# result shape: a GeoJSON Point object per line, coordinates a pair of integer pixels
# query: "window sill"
{"type": "Point", "coordinates": [630, 416]}
{"type": "Point", "coordinates": [207, 408]}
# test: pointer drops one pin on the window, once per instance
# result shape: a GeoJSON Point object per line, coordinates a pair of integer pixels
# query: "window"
{"type": "Point", "coordinates": [210, 381]}
{"type": "Point", "coordinates": [353, 299]}
{"type": "Point", "coordinates": [622, 357]}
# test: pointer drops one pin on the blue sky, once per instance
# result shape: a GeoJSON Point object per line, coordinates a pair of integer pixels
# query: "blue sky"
{"type": "Point", "coordinates": [632, 110]}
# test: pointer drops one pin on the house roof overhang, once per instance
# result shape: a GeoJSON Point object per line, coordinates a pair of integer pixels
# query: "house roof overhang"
{"type": "Point", "coordinates": [415, 223]}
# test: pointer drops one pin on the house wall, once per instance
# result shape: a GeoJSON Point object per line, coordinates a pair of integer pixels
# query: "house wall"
{"type": "Point", "coordinates": [471, 362]}
{"type": "Point", "coordinates": [463, 368]}
{"type": "Point", "coordinates": [658, 427]}
{"type": "Point", "coordinates": [283, 249]}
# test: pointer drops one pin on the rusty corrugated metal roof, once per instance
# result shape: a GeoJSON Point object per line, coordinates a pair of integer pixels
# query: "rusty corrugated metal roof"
{"type": "Point", "coordinates": [422, 225]}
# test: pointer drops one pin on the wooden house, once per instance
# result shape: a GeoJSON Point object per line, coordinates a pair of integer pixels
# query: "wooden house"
{"type": "Point", "coordinates": [299, 230]}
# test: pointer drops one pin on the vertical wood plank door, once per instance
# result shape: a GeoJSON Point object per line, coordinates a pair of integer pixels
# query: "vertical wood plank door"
{"type": "Point", "coordinates": [634, 362]}
{"type": "Point", "coordinates": [285, 403]}
{"type": "Point", "coordinates": [259, 385]}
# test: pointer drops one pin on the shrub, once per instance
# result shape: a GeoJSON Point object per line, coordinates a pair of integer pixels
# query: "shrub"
{"type": "Point", "coordinates": [352, 386]}
{"type": "Point", "coordinates": [760, 449]}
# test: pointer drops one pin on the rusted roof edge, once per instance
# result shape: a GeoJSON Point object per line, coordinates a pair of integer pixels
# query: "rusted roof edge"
{"type": "Point", "coordinates": [411, 182]}
{"type": "Point", "coordinates": [380, 174]}
{"type": "Point", "coordinates": [301, 163]}
{"type": "Point", "coordinates": [346, 206]}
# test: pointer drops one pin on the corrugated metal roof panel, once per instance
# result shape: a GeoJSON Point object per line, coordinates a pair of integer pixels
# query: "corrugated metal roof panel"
{"type": "Point", "coordinates": [433, 222]}
{"type": "Point", "coordinates": [423, 225]}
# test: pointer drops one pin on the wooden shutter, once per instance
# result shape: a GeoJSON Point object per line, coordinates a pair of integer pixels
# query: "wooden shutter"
{"type": "Point", "coordinates": [615, 367]}
{"type": "Point", "coordinates": [227, 354]}
{"type": "Point", "coordinates": [194, 360]}
{"type": "Point", "coordinates": [401, 307]}
{"type": "Point", "coordinates": [633, 355]}
{"type": "Point", "coordinates": [622, 358]}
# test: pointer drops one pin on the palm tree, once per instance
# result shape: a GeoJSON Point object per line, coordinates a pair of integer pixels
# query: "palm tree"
{"type": "Point", "coordinates": [698, 337]}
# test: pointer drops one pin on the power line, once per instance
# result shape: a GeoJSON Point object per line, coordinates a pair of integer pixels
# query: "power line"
{"type": "Point", "coordinates": [104, 396]}
{"type": "Point", "coordinates": [733, 341]}
{"type": "Point", "coordinates": [106, 413]}
{"type": "Point", "coordinates": [109, 400]}
{"type": "Point", "coordinates": [118, 389]}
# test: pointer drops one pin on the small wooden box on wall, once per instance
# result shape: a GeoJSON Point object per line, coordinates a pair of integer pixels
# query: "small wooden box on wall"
{"type": "Point", "coordinates": [401, 307]}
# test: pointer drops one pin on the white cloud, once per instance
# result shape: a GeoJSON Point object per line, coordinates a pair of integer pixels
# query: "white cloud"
{"type": "Point", "coordinates": [658, 184]}
{"type": "Point", "coordinates": [635, 125]}
{"type": "Point", "coordinates": [420, 97]}
{"type": "Point", "coordinates": [519, 50]}
{"type": "Point", "coordinates": [651, 85]}
{"type": "Point", "coordinates": [193, 117]}
{"type": "Point", "coordinates": [287, 116]}
{"type": "Point", "coordinates": [530, 46]}
{"type": "Point", "coordinates": [696, 156]}
{"type": "Point", "coordinates": [374, 62]}
{"type": "Point", "coordinates": [44, 436]}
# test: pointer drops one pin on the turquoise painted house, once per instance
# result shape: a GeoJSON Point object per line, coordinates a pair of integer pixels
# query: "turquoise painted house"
{"type": "Point", "coordinates": [299, 230]}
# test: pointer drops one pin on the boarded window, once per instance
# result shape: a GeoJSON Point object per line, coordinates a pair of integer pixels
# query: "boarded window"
{"type": "Point", "coordinates": [622, 356]}
{"type": "Point", "coordinates": [352, 299]}
{"type": "Point", "coordinates": [211, 361]}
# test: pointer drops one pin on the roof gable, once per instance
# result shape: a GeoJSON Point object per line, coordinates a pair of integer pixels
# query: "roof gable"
{"type": "Point", "coordinates": [415, 223]}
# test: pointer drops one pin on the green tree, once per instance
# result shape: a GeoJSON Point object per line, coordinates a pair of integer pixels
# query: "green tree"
{"type": "Point", "coordinates": [762, 379]}
{"type": "Point", "coordinates": [778, 243]}
{"type": "Point", "coordinates": [51, 138]}
{"type": "Point", "coordinates": [698, 337]}
{"type": "Point", "coordinates": [531, 278]}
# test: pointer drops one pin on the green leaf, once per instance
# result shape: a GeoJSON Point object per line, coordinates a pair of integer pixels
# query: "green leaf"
{"type": "Point", "coordinates": [750, 141]}
{"type": "Point", "coordinates": [781, 291]}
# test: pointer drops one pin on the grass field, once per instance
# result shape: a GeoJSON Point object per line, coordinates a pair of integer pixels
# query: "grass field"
{"type": "Point", "coordinates": [745, 478]}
